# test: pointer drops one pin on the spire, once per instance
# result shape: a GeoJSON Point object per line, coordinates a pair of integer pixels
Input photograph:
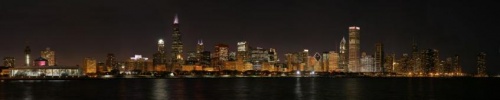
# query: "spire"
{"type": "Point", "coordinates": [176, 19]}
{"type": "Point", "coordinates": [343, 40]}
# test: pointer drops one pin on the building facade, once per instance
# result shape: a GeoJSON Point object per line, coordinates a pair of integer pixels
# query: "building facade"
{"type": "Point", "coordinates": [50, 56]}
{"type": "Point", "coordinates": [354, 49]}
{"type": "Point", "coordinates": [177, 47]}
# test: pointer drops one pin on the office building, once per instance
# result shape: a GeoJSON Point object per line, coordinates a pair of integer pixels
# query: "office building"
{"type": "Point", "coordinates": [49, 55]}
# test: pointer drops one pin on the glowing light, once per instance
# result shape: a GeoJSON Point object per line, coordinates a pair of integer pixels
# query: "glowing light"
{"type": "Point", "coordinates": [298, 72]}
{"type": "Point", "coordinates": [306, 50]}
{"type": "Point", "coordinates": [176, 20]}
{"type": "Point", "coordinates": [354, 28]}
{"type": "Point", "coordinates": [161, 41]}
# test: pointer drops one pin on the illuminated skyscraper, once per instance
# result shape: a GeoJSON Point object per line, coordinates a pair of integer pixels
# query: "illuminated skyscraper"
{"type": "Point", "coordinates": [343, 56]}
{"type": "Point", "coordinates": [242, 51]}
{"type": "Point", "coordinates": [27, 54]}
{"type": "Point", "coordinates": [49, 55]}
{"type": "Point", "coordinates": [160, 57]}
{"type": "Point", "coordinates": [220, 56]}
{"type": "Point", "coordinates": [306, 60]}
{"type": "Point", "coordinates": [9, 62]}
{"type": "Point", "coordinates": [379, 57]}
{"type": "Point", "coordinates": [89, 66]}
{"type": "Point", "coordinates": [354, 49]}
{"type": "Point", "coordinates": [366, 63]}
{"type": "Point", "coordinates": [199, 48]}
{"type": "Point", "coordinates": [177, 59]}
{"type": "Point", "coordinates": [481, 64]}
{"type": "Point", "coordinates": [273, 55]}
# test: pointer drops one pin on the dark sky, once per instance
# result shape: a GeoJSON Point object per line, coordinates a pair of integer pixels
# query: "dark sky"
{"type": "Point", "coordinates": [92, 28]}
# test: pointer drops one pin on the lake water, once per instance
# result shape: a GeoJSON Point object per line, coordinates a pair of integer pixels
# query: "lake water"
{"type": "Point", "coordinates": [254, 89]}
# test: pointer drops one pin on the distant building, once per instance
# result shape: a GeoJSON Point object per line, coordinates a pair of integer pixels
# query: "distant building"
{"type": "Point", "coordinates": [9, 62]}
{"type": "Point", "coordinates": [111, 63]}
{"type": "Point", "coordinates": [367, 62]}
{"type": "Point", "coordinates": [199, 48]}
{"type": "Point", "coordinates": [89, 66]}
{"type": "Point", "coordinates": [206, 58]}
{"type": "Point", "coordinates": [343, 61]}
{"type": "Point", "coordinates": [50, 71]}
{"type": "Point", "coordinates": [481, 64]}
{"type": "Point", "coordinates": [390, 61]}
{"type": "Point", "coordinates": [354, 49]}
{"type": "Point", "coordinates": [242, 52]}
{"type": "Point", "coordinates": [191, 58]}
{"type": "Point", "coordinates": [27, 54]}
{"type": "Point", "coordinates": [49, 55]}
{"type": "Point", "coordinates": [160, 57]}
{"type": "Point", "coordinates": [332, 59]}
{"type": "Point", "coordinates": [430, 61]}
{"type": "Point", "coordinates": [379, 57]}
{"type": "Point", "coordinates": [457, 68]}
{"type": "Point", "coordinates": [137, 65]}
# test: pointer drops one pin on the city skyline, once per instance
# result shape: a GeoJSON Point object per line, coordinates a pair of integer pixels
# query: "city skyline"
{"type": "Point", "coordinates": [126, 39]}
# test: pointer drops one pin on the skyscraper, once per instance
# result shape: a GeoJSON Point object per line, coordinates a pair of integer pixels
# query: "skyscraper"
{"type": "Point", "coordinates": [306, 60]}
{"type": "Point", "coordinates": [49, 55]}
{"type": "Point", "coordinates": [160, 57]}
{"type": "Point", "coordinates": [342, 56]}
{"type": "Point", "coordinates": [481, 64]}
{"type": "Point", "coordinates": [379, 57]}
{"type": "Point", "coordinates": [27, 54]}
{"type": "Point", "coordinates": [111, 63]}
{"type": "Point", "coordinates": [220, 56]}
{"type": "Point", "coordinates": [354, 49]}
{"type": "Point", "coordinates": [430, 61]}
{"type": "Point", "coordinates": [176, 55]}
{"type": "Point", "coordinates": [89, 66]}
{"type": "Point", "coordinates": [242, 51]}
{"type": "Point", "coordinates": [457, 69]}
{"type": "Point", "coordinates": [367, 62]}
{"type": "Point", "coordinates": [199, 48]}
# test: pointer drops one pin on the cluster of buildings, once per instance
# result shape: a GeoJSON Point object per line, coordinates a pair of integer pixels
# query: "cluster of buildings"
{"type": "Point", "coordinates": [348, 59]}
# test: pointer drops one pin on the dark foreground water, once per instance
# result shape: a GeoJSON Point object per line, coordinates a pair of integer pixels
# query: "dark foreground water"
{"type": "Point", "coordinates": [254, 89]}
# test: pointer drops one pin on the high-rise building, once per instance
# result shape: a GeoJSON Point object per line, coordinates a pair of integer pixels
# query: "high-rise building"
{"type": "Point", "coordinates": [389, 63]}
{"type": "Point", "coordinates": [206, 58]}
{"type": "Point", "coordinates": [332, 59]}
{"type": "Point", "coordinates": [430, 61]}
{"type": "Point", "coordinates": [191, 58]}
{"type": "Point", "coordinates": [111, 63]}
{"type": "Point", "coordinates": [379, 57]}
{"type": "Point", "coordinates": [367, 62]}
{"type": "Point", "coordinates": [305, 57]}
{"type": "Point", "coordinates": [137, 65]}
{"type": "Point", "coordinates": [176, 55]}
{"type": "Point", "coordinates": [27, 54]}
{"type": "Point", "coordinates": [89, 66]}
{"type": "Point", "coordinates": [9, 62]}
{"type": "Point", "coordinates": [160, 57]}
{"type": "Point", "coordinates": [481, 64]}
{"type": "Point", "coordinates": [354, 49]}
{"type": "Point", "coordinates": [49, 55]}
{"type": "Point", "coordinates": [273, 55]}
{"type": "Point", "coordinates": [220, 56]}
{"type": "Point", "coordinates": [416, 60]}
{"type": "Point", "coordinates": [40, 62]}
{"type": "Point", "coordinates": [343, 62]}
{"type": "Point", "coordinates": [457, 68]}
{"type": "Point", "coordinates": [242, 51]}
{"type": "Point", "coordinates": [199, 48]}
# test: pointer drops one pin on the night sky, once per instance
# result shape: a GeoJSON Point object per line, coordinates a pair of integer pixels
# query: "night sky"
{"type": "Point", "coordinates": [75, 29]}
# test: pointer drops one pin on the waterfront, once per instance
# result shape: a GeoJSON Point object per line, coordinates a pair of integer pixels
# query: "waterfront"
{"type": "Point", "coordinates": [252, 88]}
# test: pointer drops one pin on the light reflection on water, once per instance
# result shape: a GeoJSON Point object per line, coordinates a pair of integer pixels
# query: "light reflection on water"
{"type": "Point", "coordinates": [251, 89]}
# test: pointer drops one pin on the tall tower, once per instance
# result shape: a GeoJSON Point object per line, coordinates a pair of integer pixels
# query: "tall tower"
{"type": "Point", "coordinates": [49, 55]}
{"type": "Point", "coordinates": [199, 49]}
{"type": "Point", "coordinates": [27, 54]}
{"type": "Point", "coordinates": [176, 56]}
{"type": "Point", "coordinates": [160, 58]}
{"type": "Point", "coordinates": [379, 57]}
{"type": "Point", "coordinates": [354, 49]}
{"type": "Point", "coordinates": [343, 55]}
{"type": "Point", "coordinates": [481, 64]}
